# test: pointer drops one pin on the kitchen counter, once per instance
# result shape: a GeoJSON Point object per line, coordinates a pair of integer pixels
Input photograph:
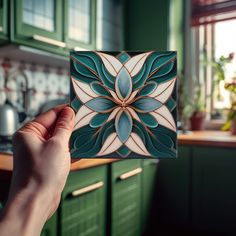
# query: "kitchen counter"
{"type": "Point", "coordinates": [208, 138]}
{"type": "Point", "coordinates": [202, 138]}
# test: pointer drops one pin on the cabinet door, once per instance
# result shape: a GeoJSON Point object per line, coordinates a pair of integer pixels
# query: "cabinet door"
{"type": "Point", "coordinates": [3, 19]}
{"type": "Point", "coordinates": [126, 198]}
{"type": "Point", "coordinates": [214, 192]}
{"type": "Point", "coordinates": [148, 190]}
{"type": "Point", "coordinates": [39, 23]}
{"type": "Point", "coordinates": [83, 208]}
{"type": "Point", "coordinates": [173, 189]}
{"type": "Point", "coordinates": [80, 23]}
{"type": "Point", "coordinates": [50, 228]}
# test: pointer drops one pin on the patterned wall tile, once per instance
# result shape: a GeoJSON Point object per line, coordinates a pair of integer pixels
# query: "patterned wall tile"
{"type": "Point", "coordinates": [45, 84]}
{"type": "Point", "coordinates": [125, 104]}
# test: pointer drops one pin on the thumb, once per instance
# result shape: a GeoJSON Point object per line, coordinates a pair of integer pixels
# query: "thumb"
{"type": "Point", "coordinates": [64, 124]}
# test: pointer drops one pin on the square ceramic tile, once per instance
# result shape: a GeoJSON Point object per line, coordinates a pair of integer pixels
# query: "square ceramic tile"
{"type": "Point", "coordinates": [125, 104]}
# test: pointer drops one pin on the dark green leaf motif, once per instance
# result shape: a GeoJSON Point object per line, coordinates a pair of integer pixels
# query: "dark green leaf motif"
{"type": "Point", "coordinates": [146, 104]}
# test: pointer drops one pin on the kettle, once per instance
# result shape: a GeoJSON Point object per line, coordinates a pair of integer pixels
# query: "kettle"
{"type": "Point", "coordinates": [9, 120]}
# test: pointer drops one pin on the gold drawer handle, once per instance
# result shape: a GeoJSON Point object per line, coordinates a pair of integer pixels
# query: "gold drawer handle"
{"type": "Point", "coordinates": [87, 189]}
{"type": "Point", "coordinates": [130, 173]}
{"type": "Point", "coordinates": [49, 41]}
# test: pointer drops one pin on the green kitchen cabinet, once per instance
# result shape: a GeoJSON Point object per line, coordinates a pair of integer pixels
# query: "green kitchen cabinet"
{"type": "Point", "coordinates": [38, 24]}
{"type": "Point", "coordinates": [80, 24]}
{"type": "Point", "coordinates": [149, 175]}
{"type": "Point", "coordinates": [125, 218]}
{"type": "Point", "coordinates": [213, 190]}
{"type": "Point", "coordinates": [4, 4]}
{"type": "Point", "coordinates": [83, 204]}
{"type": "Point", "coordinates": [173, 189]}
{"type": "Point", "coordinates": [50, 228]}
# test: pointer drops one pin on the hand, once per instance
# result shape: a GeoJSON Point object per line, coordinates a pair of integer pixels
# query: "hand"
{"type": "Point", "coordinates": [41, 166]}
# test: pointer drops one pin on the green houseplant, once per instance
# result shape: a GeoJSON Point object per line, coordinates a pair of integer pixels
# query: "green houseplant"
{"type": "Point", "coordinates": [195, 109]}
{"type": "Point", "coordinates": [231, 117]}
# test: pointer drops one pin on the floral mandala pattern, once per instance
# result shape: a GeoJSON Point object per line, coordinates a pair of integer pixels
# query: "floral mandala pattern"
{"type": "Point", "coordinates": [125, 104]}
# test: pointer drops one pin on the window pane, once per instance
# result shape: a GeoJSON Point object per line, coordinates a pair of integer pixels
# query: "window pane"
{"type": "Point", "coordinates": [79, 20]}
{"type": "Point", "coordinates": [39, 13]}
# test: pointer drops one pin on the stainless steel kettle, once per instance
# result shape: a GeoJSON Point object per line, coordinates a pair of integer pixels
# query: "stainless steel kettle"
{"type": "Point", "coordinates": [9, 120]}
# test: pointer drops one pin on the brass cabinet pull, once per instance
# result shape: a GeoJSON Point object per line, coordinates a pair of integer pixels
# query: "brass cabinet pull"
{"type": "Point", "coordinates": [130, 173]}
{"type": "Point", "coordinates": [49, 41]}
{"type": "Point", "coordinates": [87, 189]}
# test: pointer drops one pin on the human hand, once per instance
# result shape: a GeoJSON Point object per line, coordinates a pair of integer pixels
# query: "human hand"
{"type": "Point", "coordinates": [41, 166]}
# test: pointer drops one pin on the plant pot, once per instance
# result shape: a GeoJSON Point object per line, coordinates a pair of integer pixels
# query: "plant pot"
{"type": "Point", "coordinates": [197, 121]}
{"type": "Point", "coordinates": [233, 127]}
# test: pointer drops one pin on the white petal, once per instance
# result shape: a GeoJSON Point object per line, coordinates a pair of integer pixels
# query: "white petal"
{"type": "Point", "coordinates": [113, 114]}
{"type": "Point", "coordinates": [111, 144]}
{"type": "Point", "coordinates": [134, 64]}
{"type": "Point", "coordinates": [163, 90]}
{"type": "Point", "coordinates": [112, 64]}
{"type": "Point", "coordinates": [135, 144]}
{"type": "Point", "coordinates": [164, 118]}
{"type": "Point", "coordinates": [113, 94]}
{"type": "Point", "coordinates": [83, 117]}
{"type": "Point", "coordinates": [132, 96]}
{"type": "Point", "coordinates": [83, 90]}
{"type": "Point", "coordinates": [133, 113]}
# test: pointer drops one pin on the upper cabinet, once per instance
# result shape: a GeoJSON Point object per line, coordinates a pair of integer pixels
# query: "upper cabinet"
{"type": "Point", "coordinates": [3, 19]}
{"type": "Point", "coordinates": [54, 25]}
{"type": "Point", "coordinates": [80, 23]}
{"type": "Point", "coordinates": [39, 23]}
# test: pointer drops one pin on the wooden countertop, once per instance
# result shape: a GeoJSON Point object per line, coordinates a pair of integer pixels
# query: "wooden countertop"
{"type": "Point", "coordinates": [202, 138]}
{"type": "Point", "coordinates": [208, 138]}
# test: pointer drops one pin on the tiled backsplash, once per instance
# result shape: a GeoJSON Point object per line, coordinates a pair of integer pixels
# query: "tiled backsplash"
{"type": "Point", "coordinates": [45, 84]}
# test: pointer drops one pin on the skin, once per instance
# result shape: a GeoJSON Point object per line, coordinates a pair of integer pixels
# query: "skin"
{"type": "Point", "coordinates": [41, 166]}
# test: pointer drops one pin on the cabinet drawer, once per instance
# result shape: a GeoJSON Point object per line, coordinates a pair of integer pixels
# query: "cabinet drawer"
{"type": "Point", "coordinates": [83, 209]}
{"type": "Point", "coordinates": [126, 197]}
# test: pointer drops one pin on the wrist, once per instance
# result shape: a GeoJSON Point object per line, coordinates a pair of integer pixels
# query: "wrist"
{"type": "Point", "coordinates": [26, 212]}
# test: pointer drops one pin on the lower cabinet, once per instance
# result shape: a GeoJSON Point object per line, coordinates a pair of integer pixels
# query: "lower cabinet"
{"type": "Point", "coordinates": [150, 169]}
{"type": "Point", "coordinates": [126, 198]}
{"type": "Point", "coordinates": [83, 204]}
{"type": "Point", "coordinates": [213, 190]}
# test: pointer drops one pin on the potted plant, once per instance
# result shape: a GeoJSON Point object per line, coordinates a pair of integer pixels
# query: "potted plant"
{"type": "Point", "coordinates": [195, 110]}
{"type": "Point", "coordinates": [231, 117]}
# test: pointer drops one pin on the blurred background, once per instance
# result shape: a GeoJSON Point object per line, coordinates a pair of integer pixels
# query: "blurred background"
{"type": "Point", "coordinates": [192, 195]}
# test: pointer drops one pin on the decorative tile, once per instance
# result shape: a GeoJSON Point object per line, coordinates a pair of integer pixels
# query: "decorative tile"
{"type": "Point", "coordinates": [125, 104]}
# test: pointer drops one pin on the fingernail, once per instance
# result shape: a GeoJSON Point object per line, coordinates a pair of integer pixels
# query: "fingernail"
{"type": "Point", "coordinates": [69, 112]}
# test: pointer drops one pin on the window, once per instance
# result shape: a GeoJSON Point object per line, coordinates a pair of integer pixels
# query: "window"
{"type": "Point", "coordinates": [215, 32]}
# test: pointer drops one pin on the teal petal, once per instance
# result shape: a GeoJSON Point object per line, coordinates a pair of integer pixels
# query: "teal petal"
{"type": "Point", "coordinates": [99, 89]}
{"type": "Point", "coordinates": [123, 84]}
{"type": "Point", "coordinates": [98, 120]}
{"type": "Point", "coordinates": [146, 104]}
{"type": "Point", "coordinates": [148, 89]}
{"type": "Point", "coordinates": [123, 151]}
{"type": "Point", "coordinates": [123, 125]}
{"type": "Point", "coordinates": [171, 104]}
{"type": "Point", "coordinates": [148, 120]}
{"type": "Point", "coordinates": [123, 57]}
{"type": "Point", "coordinates": [100, 104]}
